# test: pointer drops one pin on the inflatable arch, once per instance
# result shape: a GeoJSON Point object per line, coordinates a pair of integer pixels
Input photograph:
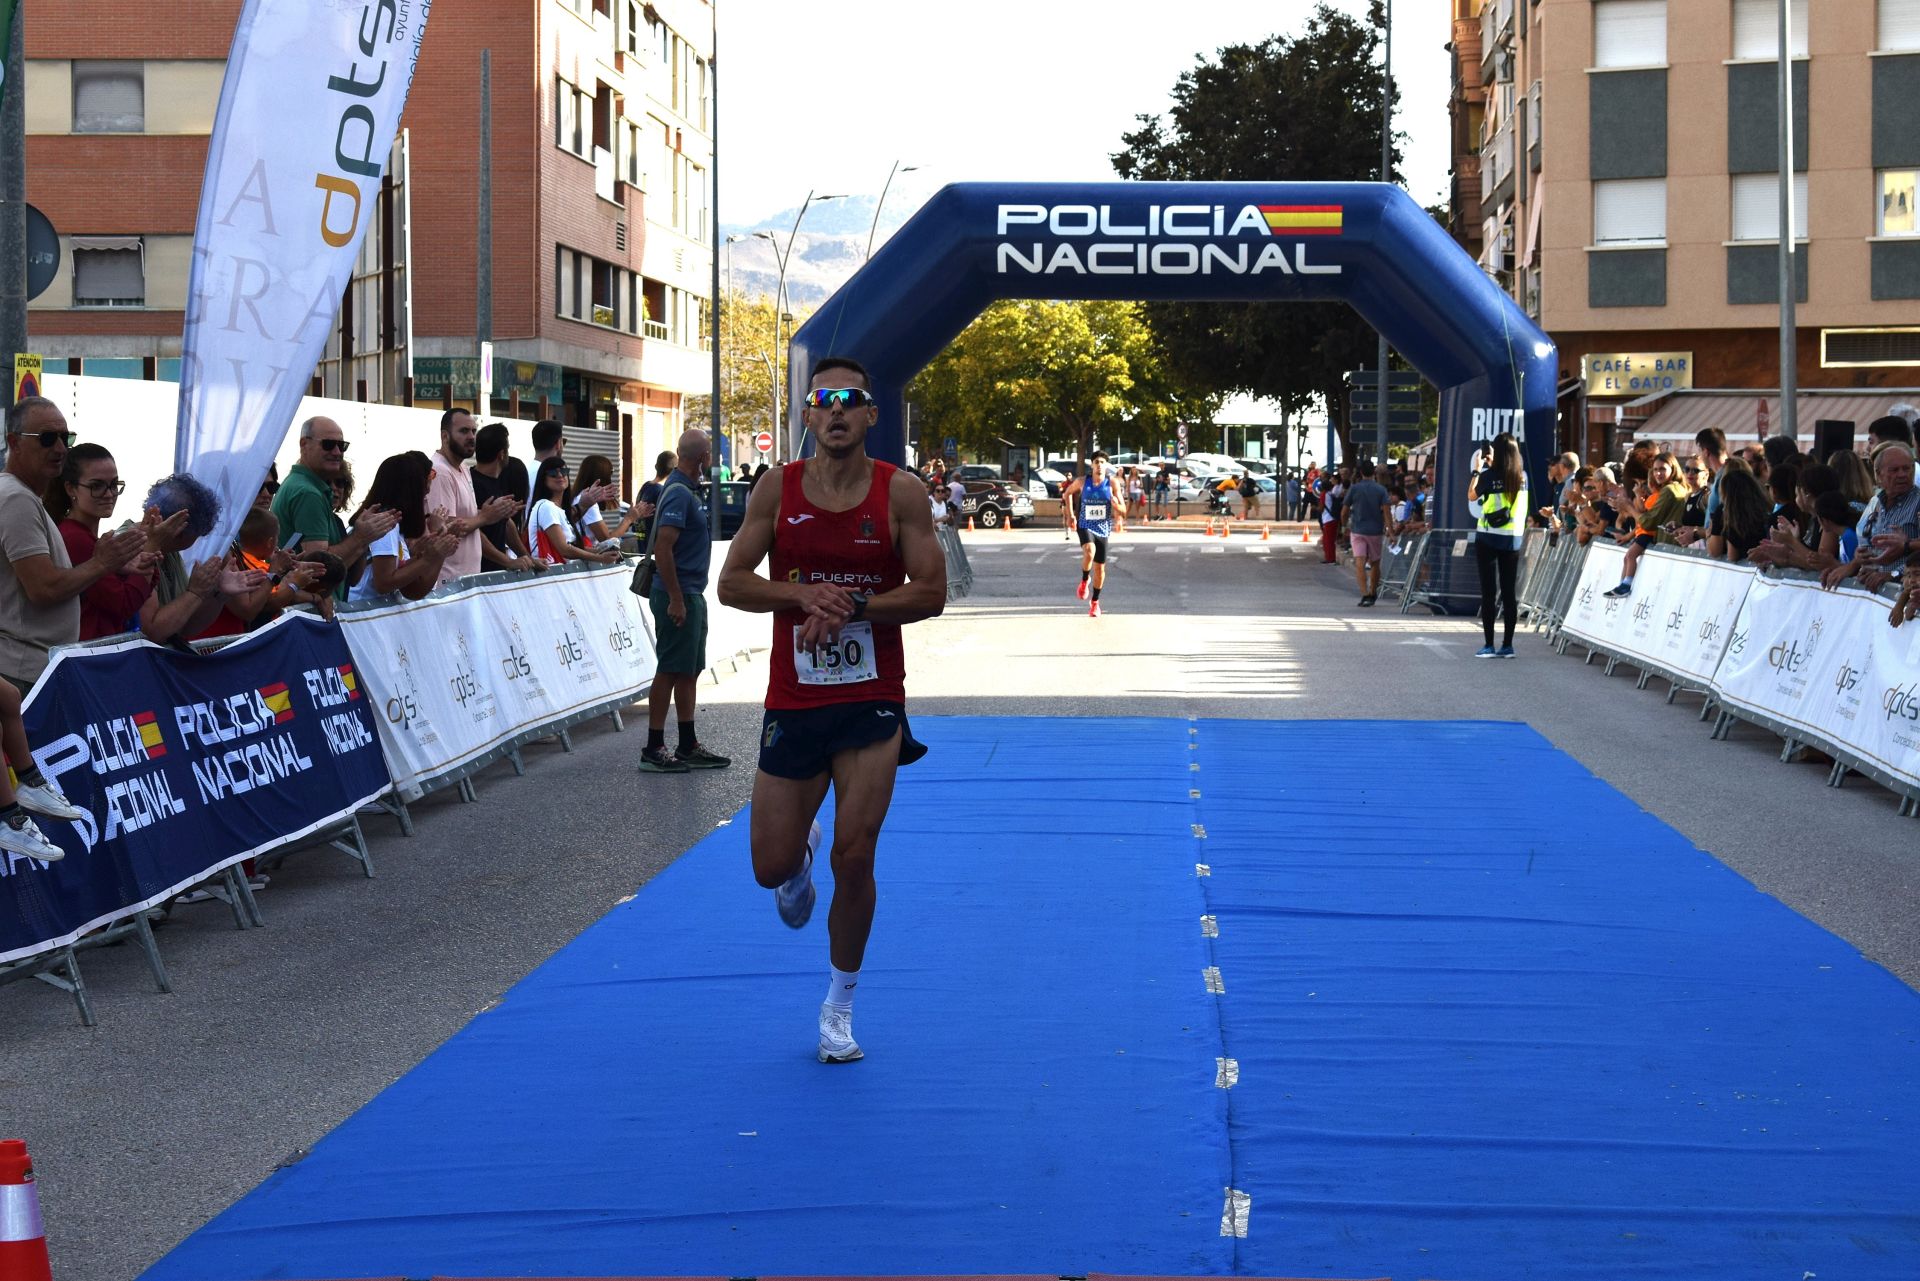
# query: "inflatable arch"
{"type": "Point", "coordinates": [1367, 244]}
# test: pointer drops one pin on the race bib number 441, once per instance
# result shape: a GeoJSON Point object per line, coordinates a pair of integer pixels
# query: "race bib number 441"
{"type": "Point", "coordinates": [847, 661]}
{"type": "Point", "coordinates": [1096, 511]}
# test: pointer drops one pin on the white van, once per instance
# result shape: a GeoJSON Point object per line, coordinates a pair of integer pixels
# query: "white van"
{"type": "Point", "coordinates": [1212, 464]}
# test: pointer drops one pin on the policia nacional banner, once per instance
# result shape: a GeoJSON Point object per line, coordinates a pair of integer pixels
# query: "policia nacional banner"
{"type": "Point", "coordinates": [185, 764]}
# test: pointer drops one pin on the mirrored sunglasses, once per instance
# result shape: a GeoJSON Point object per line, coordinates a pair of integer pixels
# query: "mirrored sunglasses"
{"type": "Point", "coordinates": [843, 397]}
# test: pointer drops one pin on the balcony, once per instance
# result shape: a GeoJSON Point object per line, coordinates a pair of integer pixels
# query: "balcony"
{"type": "Point", "coordinates": [1466, 192]}
{"type": "Point", "coordinates": [1466, 60]}
{"type": "Point", "coordinates": [1496, 166]}
{"type": "Point", "coordinates": [1496, 38]}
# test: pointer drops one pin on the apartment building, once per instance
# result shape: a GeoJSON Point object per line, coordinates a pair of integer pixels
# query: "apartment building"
{"type": "Point", "coordinates": [601, 247]}
{"type": "Point", "coordinates": [1628, 198]}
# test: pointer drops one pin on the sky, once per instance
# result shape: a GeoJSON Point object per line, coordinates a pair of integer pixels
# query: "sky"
{"type": "Point", "coordinates": [828, 94]}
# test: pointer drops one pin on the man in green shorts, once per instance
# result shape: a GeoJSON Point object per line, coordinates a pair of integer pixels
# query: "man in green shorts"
{"type": "Point", "coordinates": [682, 546]}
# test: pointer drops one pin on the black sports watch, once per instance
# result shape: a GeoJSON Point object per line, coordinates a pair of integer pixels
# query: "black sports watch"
{"type": "Point", "coordinates": [860, 600]}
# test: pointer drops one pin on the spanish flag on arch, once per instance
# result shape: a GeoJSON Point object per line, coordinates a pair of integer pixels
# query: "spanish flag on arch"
{"type": "Point", "coordinates": [1302, 220]}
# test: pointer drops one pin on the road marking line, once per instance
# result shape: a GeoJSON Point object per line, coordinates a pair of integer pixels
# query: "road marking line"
{"type": "Point", "coordinates": [1226, 1073]}
{"type": "Point", "coordinates": [1209, 927]}
{"type": "Point", "coordinates": [1215, 984]}
{"type": "Point", "coordinates": [1233, 1216]}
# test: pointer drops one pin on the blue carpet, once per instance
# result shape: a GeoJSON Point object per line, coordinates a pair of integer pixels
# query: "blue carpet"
{"type": "Point", "coordinates": [1466, 1049]}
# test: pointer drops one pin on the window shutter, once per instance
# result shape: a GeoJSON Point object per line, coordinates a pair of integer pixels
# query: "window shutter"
{"type": "Point", "coordinates": [109, 97]}
{"type": "Point", "coordinates": [1756, 28]}
{"type": "Point", "coordinates": [107, 277]}
{"type": "Point", "coordinates": [1900, 24]}
{"type": "Point", "coordinates": [1629, 33]}
{"type": "Point", "coordinates": [1630, 211]}
{"type": "Point", "coordinates": [1756, 206]}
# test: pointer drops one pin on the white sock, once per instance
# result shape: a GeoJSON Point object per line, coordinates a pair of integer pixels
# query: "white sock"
{"type": "Point", "coordinates": [840, 987]}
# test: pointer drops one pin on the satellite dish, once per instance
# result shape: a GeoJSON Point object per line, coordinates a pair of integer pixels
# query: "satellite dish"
{"type": "Point", "coordinates": [43, 253]}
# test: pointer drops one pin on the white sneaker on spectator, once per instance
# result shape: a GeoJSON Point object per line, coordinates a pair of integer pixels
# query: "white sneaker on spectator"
{"type": "Point", "coordinates": [22, 835]}
{"type": "Point", "coordinates": [47, 802]}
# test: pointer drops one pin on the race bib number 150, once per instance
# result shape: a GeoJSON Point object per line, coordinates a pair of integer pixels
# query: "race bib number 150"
{"type": "Point", "coordinates": [847, 661]}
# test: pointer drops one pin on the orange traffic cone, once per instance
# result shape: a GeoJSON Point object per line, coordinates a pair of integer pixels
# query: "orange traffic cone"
{"type": "Point", "coordinates": [23, 1241]}
{"type": "Point", "coordinates": [1266, 533]}
{"type": "Point", "coordinates": [1209, 533]}
{"type": "Point", "coordinates": [969, 524]}
{"type": "Point", "coordinates": [1305, 537]}
{"type": "Point", "coordinates": [1226, 527]}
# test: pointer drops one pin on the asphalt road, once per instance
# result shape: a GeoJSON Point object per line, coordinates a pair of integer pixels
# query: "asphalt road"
{"type": "Point", "coordinates": [149, 1124]}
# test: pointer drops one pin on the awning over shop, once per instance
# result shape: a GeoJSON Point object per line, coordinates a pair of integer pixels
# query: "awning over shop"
{"type": "Point", "coordinates": [1682, 414]}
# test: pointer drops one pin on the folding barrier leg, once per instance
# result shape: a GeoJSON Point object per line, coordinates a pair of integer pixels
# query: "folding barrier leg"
{"type": "Point", "coordinates": [467, 795]}
{"type": "Point", "coordinates": [393, 805]}
{"type": "Point", "coordinates": [1646, 676]}
{"type": "Point", "coordinates": [351, 840]}
{"type": "Point", "coordinates": [75, 985]}
{"type": "Point", "coordinates": [518, 762]}
{"type": "Point", "coordinates": [1837, 776]}
{"type": "Point", "coordinates": [566, 741]}
{"type": "Point", "coordinates": [244, 900]}
{"type": "Point", "coordinates": [143, 926]}
{"type": "Point", "coordinates": [619, 725]}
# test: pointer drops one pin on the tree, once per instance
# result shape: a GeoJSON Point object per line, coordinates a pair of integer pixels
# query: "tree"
{"type": "Point", "coordinates": [1053, 373]}
{"type": "Point", "coordinates": [1317, 119]}
{"type": "Point", "coordinates": [746, 369]}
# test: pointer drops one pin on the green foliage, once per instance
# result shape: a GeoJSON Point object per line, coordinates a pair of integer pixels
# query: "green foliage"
{"type": "Point", "coordinates": [1289, 109]}
{"type": "Point", "coordinates": [746, 356]}
{"type": "Point", "coordinates": [1053, 374]}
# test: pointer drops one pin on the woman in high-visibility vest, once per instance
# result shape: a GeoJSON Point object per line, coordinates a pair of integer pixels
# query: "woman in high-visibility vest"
{"type": "Point", "coordinates": [1500, 494]}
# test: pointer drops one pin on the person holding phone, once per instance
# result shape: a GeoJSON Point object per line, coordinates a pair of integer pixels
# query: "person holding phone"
{"type": "Point", "coordinates": [1498, 496]}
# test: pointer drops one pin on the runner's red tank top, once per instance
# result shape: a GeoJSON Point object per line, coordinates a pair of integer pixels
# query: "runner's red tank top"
{"type": "Point", "coordinates": [852, 549]}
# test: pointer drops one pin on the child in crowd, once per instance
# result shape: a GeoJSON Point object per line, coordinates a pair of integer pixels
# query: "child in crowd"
{"type": "Point", "coordinates": [1665, 501]}
{"type": "Point", "coordinates": [33, 794]}
{"type": "Point", "coordinates": [1837, 515]}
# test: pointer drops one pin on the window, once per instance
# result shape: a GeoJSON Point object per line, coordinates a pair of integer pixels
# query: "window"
{"type": "Point", "coordinates": [572, 115]}
{"type": "Point", "coordinates": [596, 292]}
{"type": "Point", "coordinates": [1756, 207]}
{"type": "Point", "coordinates": [632, 42]}
{"type": "Point", "coordinates": [662, 40]}
{"type": "Point", "coordinates": [108, 271]}
{"type": "Point", "coordinates": [1630, 33]}
{"type": "Point", "coordinates": [630, 167]}
{"type": "Point", "coordinates": [1630, 211]}
{"type": "Point", "coordinates": [1896, 213]}
{"type": "Point", "coordinates": [110, 97]}
{"type": "Point", "coordinates": [1756, 28]}
{"type": "Point", "coordinates": [1900, 25]}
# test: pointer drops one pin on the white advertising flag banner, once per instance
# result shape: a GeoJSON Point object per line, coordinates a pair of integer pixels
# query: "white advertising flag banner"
{"type": "Point", "coordinates": [1679, 619]}
{"type": "Point", "coordinates": [453, 678]}
{"type": "Point", "coordinates": [308, 111]}
{"type": "Point", "coordinates": [1827, 666]}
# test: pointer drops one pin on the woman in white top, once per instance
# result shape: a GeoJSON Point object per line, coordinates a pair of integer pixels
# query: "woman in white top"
{"type": "Point", "coordinates": [550, 531]}
{"type": "Point", "coordinates": [942, 513]}
{"type": "Point", "coordinates": [408, 559]}
{"type": "Point", "coordinates": [597, 469]}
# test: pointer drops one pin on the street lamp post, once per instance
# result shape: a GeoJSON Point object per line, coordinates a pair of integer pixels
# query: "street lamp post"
{"type": "Point", "coordinates": [780, 298]}
{"type": "Point", "coordinates": [1789, 287]}
{"type": "Point", "coordinates": [898, 168]}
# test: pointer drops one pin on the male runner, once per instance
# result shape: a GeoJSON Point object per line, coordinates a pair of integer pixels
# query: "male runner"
{"type": "Point", "coordinates": [1098, 505]}
{"type": "Point", "coordinates": [854, 557]}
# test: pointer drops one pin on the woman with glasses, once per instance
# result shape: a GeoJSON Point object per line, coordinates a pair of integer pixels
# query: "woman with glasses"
{"type": "Point", "coordinates": [85, 494]}
{"type": "Point", "coordinates": [552, 532]}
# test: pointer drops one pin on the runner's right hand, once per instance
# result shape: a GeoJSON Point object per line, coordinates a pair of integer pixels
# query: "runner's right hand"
{"type": "Point", "coordinates": [823, 600]}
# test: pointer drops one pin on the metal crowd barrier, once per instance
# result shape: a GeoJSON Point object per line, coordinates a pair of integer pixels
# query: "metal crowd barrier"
{"type": "Point", "coordinates": [1548, 577]}
{"type": "Point", "coordinates": [959, 572]}
{"type": "Point", "coordinates": [1397, 572]}
{"type": "Point", "coordinates": [1443, 576]}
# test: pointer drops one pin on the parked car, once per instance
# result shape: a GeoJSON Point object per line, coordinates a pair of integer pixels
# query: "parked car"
{"type": "Point", "coordinates": [1050, 482]}
{"type": "Point", "coordinates": [733, 507]}
{"type": "Point", "coordinates": [970, 472]}
{"type": "Point", "coordinates": [993, 504]}
{"type": "Point", "coordinates": [1258, 466]}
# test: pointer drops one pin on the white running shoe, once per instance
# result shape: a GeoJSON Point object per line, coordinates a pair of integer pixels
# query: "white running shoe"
{"type": "Point", "coordinates": [25, 837]}
{"type": "Point", "coordinates": [836, 1034]}
{"type": "Point", "coordinates": [47, 802]}
{"type": "Point", "coordinates": [794, 899]}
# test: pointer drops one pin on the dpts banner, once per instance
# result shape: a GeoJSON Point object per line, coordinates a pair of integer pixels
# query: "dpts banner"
{"type": "Point", "coordinates": [185, 764]}
{"type": "Point", "coordinates": [1827, 664]}
{"type": "Point", "coordinates": [1681, 615]}
{"type": "Point", "coordinates": [309, 106]}
{"type": "Point", "coordinates": [455, 678]}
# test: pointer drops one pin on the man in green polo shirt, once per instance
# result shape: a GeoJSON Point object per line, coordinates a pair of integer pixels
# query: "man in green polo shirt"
{"type": "Point", "coordinates": [304, 504]}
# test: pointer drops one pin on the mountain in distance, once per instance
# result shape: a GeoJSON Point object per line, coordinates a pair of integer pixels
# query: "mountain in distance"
{"type": "Point", "coordinates": [831, 246]}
